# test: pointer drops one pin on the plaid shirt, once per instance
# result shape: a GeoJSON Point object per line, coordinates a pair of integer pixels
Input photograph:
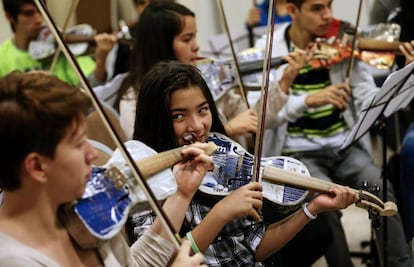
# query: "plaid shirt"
{"type": "Point", "coordinates": [234, 246]}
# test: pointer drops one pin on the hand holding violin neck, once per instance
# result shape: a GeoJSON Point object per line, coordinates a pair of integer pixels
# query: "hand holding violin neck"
{"type": "Point", "coordinates": [367, 200]}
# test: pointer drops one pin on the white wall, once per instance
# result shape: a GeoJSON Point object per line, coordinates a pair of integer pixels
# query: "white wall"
{"type": "Point", "coordinates": [5, 30]}
{"type": "Point", "coordinates": [208, 20]}
{"type": "Point", "coordinates": [59, 10]}
{"type": "Point", "coordinates": [347, 10]}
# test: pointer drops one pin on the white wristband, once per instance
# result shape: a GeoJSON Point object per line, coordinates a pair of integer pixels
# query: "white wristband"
{"type": "Point", "coordinates": [307, 212]}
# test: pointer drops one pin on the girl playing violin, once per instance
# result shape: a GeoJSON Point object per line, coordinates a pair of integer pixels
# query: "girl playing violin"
{"type": "Point", "coordinates": [175, 101]}
{"type": "Point", "coordinates": [167, 31]}
{"type": "Point", "coordinates": [48, 161]}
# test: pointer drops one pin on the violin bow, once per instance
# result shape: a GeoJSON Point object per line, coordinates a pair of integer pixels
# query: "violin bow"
{"type": "Point", "coordinates": [99, 108]}
{"type": "Point", "coordinates": [233, 53]}
{"type": "Point", "coordinates": [352, 59]}
{"type": "Point", "coordinates": [72, 9]}
{"type": "Point", "coordinates": [264, 91]}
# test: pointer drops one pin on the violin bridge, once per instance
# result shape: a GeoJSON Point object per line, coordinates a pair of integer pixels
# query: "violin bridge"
{"type": "Point", "coordinates": [117, 176]}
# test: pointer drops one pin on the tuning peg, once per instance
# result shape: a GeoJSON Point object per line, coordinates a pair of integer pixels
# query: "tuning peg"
{"type": "Point", "coordinates": [365, 185]}
{"type": "Point", "coordinates": [375, 188]}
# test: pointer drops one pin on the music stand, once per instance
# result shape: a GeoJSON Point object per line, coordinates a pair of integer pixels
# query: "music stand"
{"type": "Point", "coordinates": [393, 95]}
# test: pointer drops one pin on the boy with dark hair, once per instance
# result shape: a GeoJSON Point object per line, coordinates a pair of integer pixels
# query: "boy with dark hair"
{"type": "Point", "coordinates": [27, 24]}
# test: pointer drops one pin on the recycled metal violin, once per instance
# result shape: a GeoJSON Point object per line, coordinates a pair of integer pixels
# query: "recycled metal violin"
{"type": "Point", "coordinates": [286, 181]}
{"type": "Point", "coordinates": [112, 191]}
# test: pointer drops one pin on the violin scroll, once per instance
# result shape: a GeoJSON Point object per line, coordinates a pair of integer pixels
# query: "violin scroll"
{"type": "Point", "coordinates": [370, 201]}
{"type": "Point", "coordinates": [386, 209]}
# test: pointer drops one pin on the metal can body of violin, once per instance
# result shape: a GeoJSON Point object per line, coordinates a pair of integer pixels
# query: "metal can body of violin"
{"type": "Point", "coordinates": [233, 169]}
{"type": "Point", "coordinates": [110, 194]}
{"type": "Point", "coordinates": [100, 214]}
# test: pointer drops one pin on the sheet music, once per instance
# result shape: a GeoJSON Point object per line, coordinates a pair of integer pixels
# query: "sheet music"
{"type": "Point", "coordinates": [365, 121]}
{"type": "Point", "coordinates": [394, 94]}
{"type": "Point", "coordinates": [403, 97]}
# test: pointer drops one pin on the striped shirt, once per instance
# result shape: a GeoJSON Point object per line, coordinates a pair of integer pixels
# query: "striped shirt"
{"type": "Point", "coordinates": [317, 127]}
{"type": "Point", "coordinates": [234, 246]}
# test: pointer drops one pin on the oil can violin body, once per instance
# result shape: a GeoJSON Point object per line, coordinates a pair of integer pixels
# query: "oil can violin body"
{"type": "Point", "coordinates": [233, 168]}
{"type": "Point", "coordinates": [112, 191]}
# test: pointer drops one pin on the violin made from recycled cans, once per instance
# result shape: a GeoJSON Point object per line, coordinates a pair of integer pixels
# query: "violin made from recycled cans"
{"type": "Point", "coordinates": [286, 181]}
{"type": "Point", "coordinates": [112, 191]}
{"type": "Point", "coordinates": [233, 169]}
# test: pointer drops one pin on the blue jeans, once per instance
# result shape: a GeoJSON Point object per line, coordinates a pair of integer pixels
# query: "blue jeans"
{"type": "Point", "coordinates": [407, 181]}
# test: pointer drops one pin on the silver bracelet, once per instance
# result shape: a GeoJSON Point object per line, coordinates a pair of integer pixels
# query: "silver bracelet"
{"type": "Point", "coordinates": [307, 212]}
